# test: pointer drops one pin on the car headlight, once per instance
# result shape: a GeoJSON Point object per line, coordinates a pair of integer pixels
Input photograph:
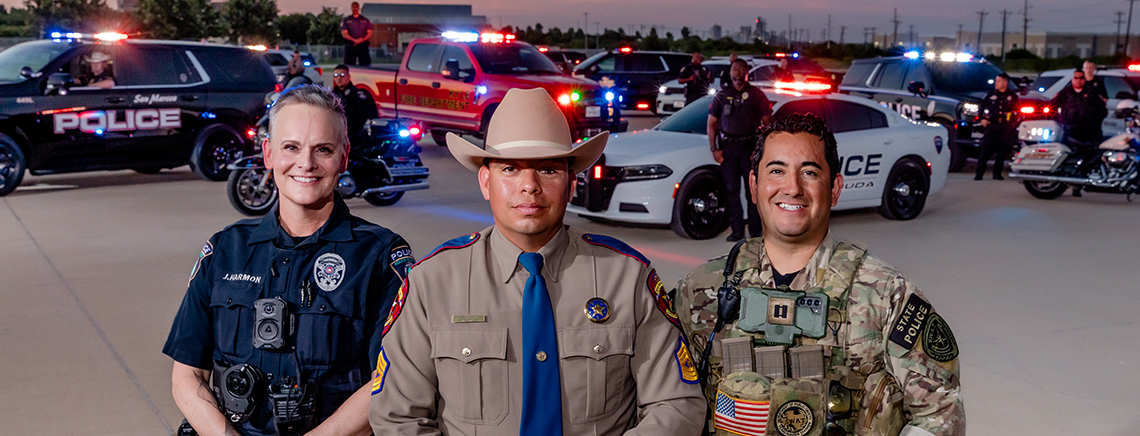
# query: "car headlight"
{"type": "Point", "coordinates": [661, 90]}
{"type": "Point", "coordinates": [970, 109]}
{"type": "Point", "coordinates": [645, 172]}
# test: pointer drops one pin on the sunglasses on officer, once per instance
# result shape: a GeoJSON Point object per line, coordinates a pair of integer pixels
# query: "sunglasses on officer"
{"type": "Point", "coordinates": [339, 74]}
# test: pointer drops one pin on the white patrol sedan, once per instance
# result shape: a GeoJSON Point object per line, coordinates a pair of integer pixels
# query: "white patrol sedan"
{"type": "Point", "coordinates": [671, 95]}
{"type": "Point", "coordinates": [666, 175]}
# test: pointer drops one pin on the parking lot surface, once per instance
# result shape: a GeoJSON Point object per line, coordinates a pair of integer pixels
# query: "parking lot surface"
{"type": "Point", "coordinates": [1042, 296]}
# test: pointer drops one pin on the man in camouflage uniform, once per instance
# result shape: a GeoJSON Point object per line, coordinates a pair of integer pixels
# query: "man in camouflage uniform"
{"type": "Point", "coordinates": [884, 362]}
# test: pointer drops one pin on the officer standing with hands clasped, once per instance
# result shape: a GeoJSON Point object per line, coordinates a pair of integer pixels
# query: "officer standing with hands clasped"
{"type": "Point", "coordinates": [999, 118]}
{"type": "Point", "coordinates": [802, 333]}
{"type": "Point", "coordinates": [1080, 110]}
{"type": "Point", "coordinates": [696, 78]}
{"type": "Point", "coordinates": [531, 327]}
{"type": "Point", "coordinates": [284, 313]}
{"type": "Point", "coordinates": [735, 116]}
{"type": "Point", "coordinates": [356, 29]}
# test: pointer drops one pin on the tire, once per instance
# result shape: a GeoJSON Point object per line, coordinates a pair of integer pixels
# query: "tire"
{"type": "Point", "coordinates": [440, 137]}
{"type": "Point", "coordinates": [384, 199]}
{"type": "Point", "coordinates": [905, 193]}
{"type": "Point", "coordinates": [1045, 190]}
{"type": "Point", "coordinates": [245, 195]}
{"type": "Point", "coordinates": [957, 154]}
{"type": "Point", "coordinates": [486, 120]}
{"type": "Point", "coordinates": [12, 165]}
{"type": "Point", "coordinates": [215, 147]}
{"type": "Point", "coordinates": [700, 211]}
{"type": "Point", "coordinates": [147, 170]}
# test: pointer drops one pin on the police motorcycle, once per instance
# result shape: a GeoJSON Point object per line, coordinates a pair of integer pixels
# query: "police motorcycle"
{"type": "Point", "coordinates": [1048, 168]}
{"type": "Point", "coordinates": [383, 163]}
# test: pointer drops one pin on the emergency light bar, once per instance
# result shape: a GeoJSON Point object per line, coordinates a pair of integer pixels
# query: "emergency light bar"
{"type": "Point", "coordinates": [102, 36]}
{"type": "Point", "coordinates": [497, 37]}
{"type": "Point", "coordinates": [476, 37]}
{"type": "Point", "coordinates": [1134, 67]}
{"type": "Point", "coordinates": [461, 36]}
{"type": "Point", "coordinates": [804, 86]}
{"type": "Point", "coordinates": [794, 55]}
{"type": "Point", "coordinates": [626, 50]}
{"type": "Point", "coordinates": [256, 47]}
{"type": "Point", "coordinates": [110, 36]}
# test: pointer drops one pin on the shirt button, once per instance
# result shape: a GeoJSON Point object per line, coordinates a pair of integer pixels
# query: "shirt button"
{"type": "Point", "coordinates": [541, 356]}
{"type": "Point", "coordinates": [598, 349]}
{"type": "Point", "coordinates": [466, 352]}
{"type": "Point", "coordinates": [322, 307]}
{"type": "Point", "coordinates": [229, 300]}
{"type": "Point", "coordinates": [286, 260]}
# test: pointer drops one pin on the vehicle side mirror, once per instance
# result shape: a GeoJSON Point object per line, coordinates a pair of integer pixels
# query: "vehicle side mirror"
{"type": "Point", "coordinates": [28, 73]}
{"type": "Point", "coordinates": [917, 88]}
{"type": "Point", "coordinates": [1125, 95]}
{"type": "Point", "coordinates": [59, 82]}
{"type": "Point", "coordinates": [451, 69]}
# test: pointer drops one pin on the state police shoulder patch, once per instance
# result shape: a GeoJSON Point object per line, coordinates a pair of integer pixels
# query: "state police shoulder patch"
{"type": "Point", "coordinates": [661, 296]}
{"type": "Point", "coordinates": [207, 250]}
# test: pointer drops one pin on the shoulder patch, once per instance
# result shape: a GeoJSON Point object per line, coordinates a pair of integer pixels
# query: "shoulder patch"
{"type": "Point", "coordinates": [615, 245]}
{"type": "Point", "coordinates": [379, 373]}
{"type": "Point", "coordinates": [459, 242]}
{"type": "Point", "coordinates": [661, 296]}
{"type": "Point", "coordinates": [400, 259]}
{"type": "Point", "coordinates": [397, 307]}
{"type": "Point", "coordinates": [910, 322]}
{"type": "Point", "coordinates": [207, 250]}
{"type": "Point", "coordinates": [685, 366]}
{"type": "Point", "coordinates": [938, 341]}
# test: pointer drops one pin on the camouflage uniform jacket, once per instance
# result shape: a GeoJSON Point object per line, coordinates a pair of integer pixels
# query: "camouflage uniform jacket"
{"type": "Point", "coordinates": [877, 299]}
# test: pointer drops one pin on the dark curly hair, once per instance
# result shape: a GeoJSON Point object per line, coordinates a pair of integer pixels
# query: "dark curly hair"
{"type": "Point", "coordinates": [800, 123]}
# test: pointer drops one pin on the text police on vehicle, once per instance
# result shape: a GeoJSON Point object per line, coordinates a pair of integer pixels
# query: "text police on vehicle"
{"type": "Point", "coordinates": [944, 88]}
{"type": "Point", "coordinates": [666, 175]}
{"type": "Point", "coordinates": [79, 102]}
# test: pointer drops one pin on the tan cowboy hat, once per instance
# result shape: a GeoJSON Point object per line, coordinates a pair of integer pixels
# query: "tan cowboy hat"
{"type": "Point", "coordinates": [97, 56]}
{"type": "Point", "coordinates": [528, 125]}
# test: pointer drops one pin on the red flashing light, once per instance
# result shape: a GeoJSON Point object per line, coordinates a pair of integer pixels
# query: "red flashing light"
{"type": "Point", "coordinates": [251, 133]}
{"type": "Point", "coordinates": [1028, 110]}
{"type": "Point", "coordinates": [320, 70]}
{"type": "Point", "coordinates": [1134, 67]}
{"type": "Point", "coordinates": [1045, 109]}
{"type": "Point", "coordinates": [543, 49]}
{"type": "Point", "coordinates": [414, 131]}
{"type": "Point", "coordinates": [642, 106]}
{"type": "Point", "coordinates": [597, 172]}
{"type": "Point", "coordinates": [564, 99]}
{"type": "Point", "coordinates": [496, 37]}
{"type": "Point", "coordinates": [804, 86]}
{"type": "Point", "coordinates": [626, 50]}
{"type": "Point", "coordinates": [781, 55]}
{"type": "Point", "coordinates": [278, 87]}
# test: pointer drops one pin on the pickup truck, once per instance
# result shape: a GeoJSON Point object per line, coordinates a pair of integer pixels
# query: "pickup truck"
{"type": "Point", "coordinates": [454, 83]}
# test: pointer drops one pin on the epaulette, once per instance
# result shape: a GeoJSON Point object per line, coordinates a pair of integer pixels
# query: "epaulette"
{"type": "Point", "coordinates": [615, 245]}
{"type": "Point", "coordinates": [459, 242]}
{"type": "Point", "coordinates": [248, 222]}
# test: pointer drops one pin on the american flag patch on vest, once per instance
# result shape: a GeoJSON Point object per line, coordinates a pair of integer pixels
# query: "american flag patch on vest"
{"type": "Point", "coordinates": [741, 416]}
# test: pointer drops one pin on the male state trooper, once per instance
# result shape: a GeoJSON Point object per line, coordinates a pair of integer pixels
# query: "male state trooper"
{"type": "Point", "coordinates": [999, 118]}
{"type": "Point", "coordinates": [735, 116]}
{"type": "Point", "coordinates": [283, 314]}
{"type": "Point", "coordinates": [812, 335]}
{"type": "Point", "coordinates": [529, 326]}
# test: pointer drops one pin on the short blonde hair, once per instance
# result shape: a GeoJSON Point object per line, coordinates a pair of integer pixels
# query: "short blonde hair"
{"type": "Point", "coordinates": [315, 96]}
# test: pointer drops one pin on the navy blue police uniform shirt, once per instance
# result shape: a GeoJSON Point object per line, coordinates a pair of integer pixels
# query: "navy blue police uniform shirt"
{"type": "Point", "coordinates": [740, 112]}
{"type": "Point", "coordinates": [356, 269]}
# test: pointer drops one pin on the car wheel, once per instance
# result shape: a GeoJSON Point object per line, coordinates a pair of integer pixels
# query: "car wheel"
{"type": "Point", "coordinates": [12, 165]}
{"type": "Point", "coordinates": [486, 120]}
{"type": "Point", "coordinates": [387, 199]}
{"type": "Point", "coordinates": [1045, 190]}
{"type": "Point", "coordinates": [252, 191]}
{"type": "Point", "coordinates": [440, 137]}
{"type": "Point", "coordinates": [699, 211]}
{"type": "Point", "coordinates": [906, 190]}
{"type": "Point", "coordinates": [216, 146]}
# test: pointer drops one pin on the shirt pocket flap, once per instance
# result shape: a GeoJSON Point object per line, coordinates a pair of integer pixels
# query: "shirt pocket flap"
{"type": "Point", "coordinates": [232, 295]}
{"type": "Point", "coordinates": [331, 303]}
{"type": "Point", "coordinates": [595, 341]}
{"type": "Point", "coordinates": [469, 345]}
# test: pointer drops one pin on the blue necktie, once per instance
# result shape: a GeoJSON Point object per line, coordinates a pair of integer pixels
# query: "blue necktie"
{"type": "Point", "coordinates": [542, 386]}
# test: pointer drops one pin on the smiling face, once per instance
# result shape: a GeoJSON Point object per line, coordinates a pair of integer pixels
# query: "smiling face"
{"type": "Point", "coordinates": [792, 189]}
{"type": "Point", "coordinates": [528, 197]}
{"type": "Point", "coordinates": [305, 155]}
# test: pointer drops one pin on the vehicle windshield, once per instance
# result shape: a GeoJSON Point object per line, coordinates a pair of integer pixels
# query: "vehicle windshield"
{"type": "Point", "coordinates": [964, 76]}
{"type": "Point", "coordinates": [512, 59]}
{"type": "Point", "coordinates": [34, 54]}
{"type": "Point", "coordinates": [691, 119]}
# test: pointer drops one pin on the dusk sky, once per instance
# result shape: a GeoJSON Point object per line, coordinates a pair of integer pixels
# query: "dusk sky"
{"type": "Point", "coordinates": [929, 17]}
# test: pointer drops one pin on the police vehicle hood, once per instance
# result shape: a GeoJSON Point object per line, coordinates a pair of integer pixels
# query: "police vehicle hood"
{"type": "Point", "coordinates": [650, 146]}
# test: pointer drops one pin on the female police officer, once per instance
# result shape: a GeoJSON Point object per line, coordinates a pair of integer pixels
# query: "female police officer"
{"type": "Point", "coordinates": [286, 310]}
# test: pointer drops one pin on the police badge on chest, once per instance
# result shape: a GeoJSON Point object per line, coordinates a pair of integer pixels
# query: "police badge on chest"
{"type": "Point", "coordinates": [328, 271]}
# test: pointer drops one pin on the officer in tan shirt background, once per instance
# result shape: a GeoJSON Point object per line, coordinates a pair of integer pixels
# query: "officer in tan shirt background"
{"type": "Point", "coordinates": [530, 326]}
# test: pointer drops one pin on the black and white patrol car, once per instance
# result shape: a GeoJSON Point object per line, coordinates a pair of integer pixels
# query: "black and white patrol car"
{"type": "Point", "coordinates": [944, 88]}
{"type": "Point", "coordinates": [150, 105]}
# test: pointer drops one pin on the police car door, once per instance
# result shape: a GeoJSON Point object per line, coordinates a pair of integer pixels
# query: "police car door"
{"type": "Point", "coordinates": [866, 147]}
{"type": "Point", "coordinates": [75, 124]}
{"type": "Point", "coordinates": [166, 97]}
{"type": "Point", "coordinates": [891, 89]}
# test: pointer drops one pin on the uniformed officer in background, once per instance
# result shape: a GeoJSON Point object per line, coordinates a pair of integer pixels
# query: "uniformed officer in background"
{"type": "Point", "coordinates": [999, 118]}
{"type": "Point", "coordinates": [696, 78]}
{"type": "Point", "coordinates": [1080, 110]}
{"type": "Point", "coordinates": [99, 73]}
{"type": "Point", "coordinates": [283, 313]}
{"type": "Point", "coordinates": [356, 30]}
{"type": "Point", "coordinates": [1094, 82]}
{"type": "Point", "coordinates": [735, 116]}
{"type": "Point", "coordinates": [530, 326]}
{"type": "Point", "coordinates": [813, 335]}
{"type": "Point", "coordinates": [359, 107]}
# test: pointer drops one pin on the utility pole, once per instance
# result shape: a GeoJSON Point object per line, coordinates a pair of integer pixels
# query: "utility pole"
{"type": "Point", "coordinates": [895, 36]}
{"type": "Point", "coordinates": [1004, 14]}
{"type": "Point", "coordinates": [842, 29]}
{"type": "Point", "coordinates": [1025, 26]}
{"type": "Point", "coordinates": [828, 30]}
{"type": "Point", "coordinates": [1119, 21]}
{"type": "Point", "coordinates": [790, 32]}
{"type": "Point", "coordinates": [598, 38]}
{"type": "Point", "coordinates": [866, 34]}
{"type": "Point", "coordinates": [585, 30]}
{"type": "Point", "coordinates": [981, 20]}
{"type": "Point", "coordinates": [911, 36]}
{"type": "Point", "coordinates": [1128, 30]}
{"type": "Point", "coordinates": [958, 40]}
{"type": "Point", "coordinates": [873, 36]}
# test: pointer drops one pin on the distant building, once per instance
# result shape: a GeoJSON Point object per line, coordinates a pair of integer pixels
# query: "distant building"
{"type": "Point", "coordinates": [395, 25]}
{"type": "Point", "coordinates": [744, 36]}
{"type": "Point", "coordinates": [716, 31]}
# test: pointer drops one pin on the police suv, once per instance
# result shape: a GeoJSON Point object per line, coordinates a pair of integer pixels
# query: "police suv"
{"type": "Point", "coordinates": [944, 88]}
{"type": "Point", "coordinates": [666, 175]}
{"type": "Point", "coordinates": [81, 102]}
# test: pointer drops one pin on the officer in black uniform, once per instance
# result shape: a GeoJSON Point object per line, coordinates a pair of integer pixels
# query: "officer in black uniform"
{"type": "Point", "coordinates": [1080, 110]}
{"type": "Point", "coordinates": [359, 107]}
{"type": "Point", "coordinates": [696, 78]}
{"type": "Point", "coordinates": [999, 118]}
{"type": "Point", "coordinates": [284, 313]}
{"type": "Point", "coordinates": [735, 117]}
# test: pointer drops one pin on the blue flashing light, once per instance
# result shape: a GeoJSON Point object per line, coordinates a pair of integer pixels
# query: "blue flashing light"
{"type": "Point", "coordinates": [308, 64]}
{"type": "Point", "coordinates": [609, 96]}
{"type": "Point", "coordinates": [911, 55]}
{"type": "Point", "coordinates": [621, 98]}
{"type": "Point", "coordinates": [98, 131]}
{"type": "Point", "coordinates": [1046, 134]}
{"type": "Point", "coordinates": [795, 55]}
{"type": "Point", "coordinates": [404, 133]}
{"type": "Point", "coordinates": [481, 89]}
{"type": "Point", "coordinates": [1041, 89]}
{"type": "Point", "coordinates": [56, 35]}
{"type": "Point", "coordinates": [209, 115]}
{"type": "Point", "coordinates": [462, 36]}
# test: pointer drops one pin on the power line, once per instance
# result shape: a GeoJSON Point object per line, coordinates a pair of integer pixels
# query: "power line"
{"type": "Point", "coordinates": [981, 20]}
{"type": "Point", "coordinates": [1004, 15]}
{"type": "Point", "coordinates": [1025, 26]}
{"type": "Point", "coordinates": [1128, 32]}
{"type": "Point", "coordinates": [1119, 21]}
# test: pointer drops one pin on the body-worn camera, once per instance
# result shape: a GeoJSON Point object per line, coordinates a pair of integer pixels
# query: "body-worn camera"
{"type": "Point", "coordinates": [241, 387]}
{"type": "Point", "coordinates": [272, 323]}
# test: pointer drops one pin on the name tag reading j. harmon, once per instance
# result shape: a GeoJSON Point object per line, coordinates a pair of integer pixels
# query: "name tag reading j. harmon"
{"type": "Point", "coordinates": [463, 319]}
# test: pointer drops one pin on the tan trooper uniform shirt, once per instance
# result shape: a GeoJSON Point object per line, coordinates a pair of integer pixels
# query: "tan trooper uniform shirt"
{"type": "Point", "coordinates": [880, 302]}
{"type": "Point", "coordinates": [451, 365]}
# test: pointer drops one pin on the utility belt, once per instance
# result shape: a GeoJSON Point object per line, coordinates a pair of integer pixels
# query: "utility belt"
{"type": "Point", "coordinates": [726, 140]}
{"type": "Point", "coordinates": [241, 390]}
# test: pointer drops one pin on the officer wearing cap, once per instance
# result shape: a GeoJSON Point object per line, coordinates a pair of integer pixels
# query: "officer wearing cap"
{"type": "Point", "coordinates": [359, 107]}
{"type": "Point", "coordinates": [530, 326]}
{"type": "Point", "coordinates": [999, 118]}
{"type": "Point", "coordinates": [735, 115]}
{"type": "Point", "coordinates": [282, 319]}
{"type": "Point", "coordinates": [812, 334]}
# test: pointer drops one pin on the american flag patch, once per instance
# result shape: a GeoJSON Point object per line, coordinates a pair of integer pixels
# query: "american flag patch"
{"type": "Point", "coordinates": [741, 416]}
